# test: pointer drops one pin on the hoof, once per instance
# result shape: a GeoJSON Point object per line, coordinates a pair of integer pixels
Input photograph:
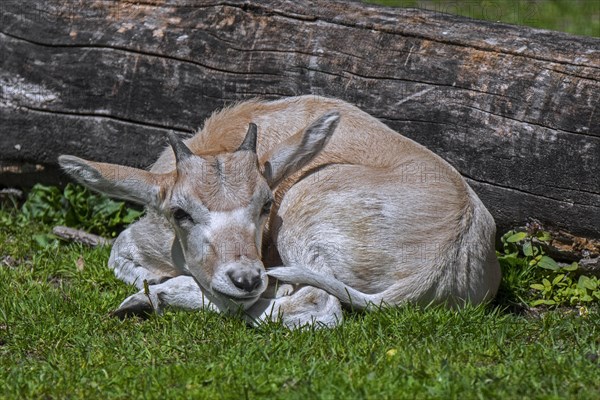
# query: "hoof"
{"type": "Point", "coordinates": [134, 306]}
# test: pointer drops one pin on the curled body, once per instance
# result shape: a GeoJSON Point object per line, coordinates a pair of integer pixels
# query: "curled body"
{"type": "Point", "coordinates": [292, 208]}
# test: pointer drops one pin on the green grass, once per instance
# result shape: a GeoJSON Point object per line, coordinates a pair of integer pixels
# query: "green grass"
{"type": "Point", "coordinates": [57, 341]}
{"type": "Point", "coordinates": [579, 17]}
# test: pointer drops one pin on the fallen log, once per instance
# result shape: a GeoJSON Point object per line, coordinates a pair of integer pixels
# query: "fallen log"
{"type": "Point", "coordinates": [514, 109]}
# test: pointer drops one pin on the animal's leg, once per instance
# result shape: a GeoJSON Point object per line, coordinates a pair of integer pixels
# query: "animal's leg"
{"type": "Point", "coordinates": [142, 252]}
{"type": "Point", "coordinates": [125, 260]}
{"type": "Point", "coordinates": [304, 307]}
{"type": "Point", "coordinates": [179, 292]}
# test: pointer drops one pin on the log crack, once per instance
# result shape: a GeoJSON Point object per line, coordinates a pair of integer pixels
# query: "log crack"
{"type": "Point", "coordinates": [187, 132]}
{"type": "Point", "coordinates": [518, 190]}
{"type": "Point", "coordinates": [136, 52]}
{"type": "Point", "coordinates": [531, 122]}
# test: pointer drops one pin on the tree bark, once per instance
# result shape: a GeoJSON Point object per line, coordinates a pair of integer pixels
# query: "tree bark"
{"type": "Point", "coordinates": [514, 109]}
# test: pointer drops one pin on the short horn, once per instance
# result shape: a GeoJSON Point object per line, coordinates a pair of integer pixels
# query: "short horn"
{"type": "Point", "coordinates": [249, 143]}
{"type": "Point", "coordinates": [179, 148]}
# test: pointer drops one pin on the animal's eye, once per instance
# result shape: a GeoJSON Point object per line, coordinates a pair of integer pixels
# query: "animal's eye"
{"type": "Point", "coordinates": [180, 215]}
{"type": "Point", "coordinates": [267, 206]}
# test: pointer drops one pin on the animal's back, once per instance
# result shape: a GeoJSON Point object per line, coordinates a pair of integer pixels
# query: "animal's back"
{"type": "Point", "coordinates": [359, 139]}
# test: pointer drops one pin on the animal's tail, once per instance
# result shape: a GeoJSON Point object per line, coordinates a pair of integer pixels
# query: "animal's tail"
{"type": "Point", "coordinates": [334, 287]}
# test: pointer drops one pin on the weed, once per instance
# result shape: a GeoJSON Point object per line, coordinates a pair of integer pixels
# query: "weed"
{"type": "Point", "coordinates": [76, 207]}
{"type": "Point", "coordinates": [526, 266]}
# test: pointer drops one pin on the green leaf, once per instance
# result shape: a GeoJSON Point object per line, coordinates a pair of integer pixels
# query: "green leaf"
{"type": "Point", "coordinates": [511, 261]}
{"type": "Point", "coordinates": [535, 260]}
{"type": "Point", "coordinates": [506, 235]}
{"type": "Point", "coordinates": [572, 267]}
{"type": "Point", "coordinates": [587, 283]}
{"type": "Point", "coordinates": [587, 298]}
{"type": "Point", "coordinates": [548, 263]}
{"type": "Point", "coordinates": [557, 279]}
{"type": "Point", "coordinates": [543, 301]}
{"type": "Point", "coordinates": [517, 237]}
{"type": "Point", "coordinates": [546, 283]}
{"type": "Point", "coordinates": [537, 286]}
{"type": "Point", "coordinates": [543, 236]}
{"type": "Point", "coordinates": [528, 249]}
{"type": "Point", "coordinates": [131, 215]}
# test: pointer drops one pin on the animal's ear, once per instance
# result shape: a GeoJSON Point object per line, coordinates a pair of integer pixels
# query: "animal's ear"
{"type": "Point", "coordinates": [297, 151]}
{"type": "Point", "coordinates": [127, 183]}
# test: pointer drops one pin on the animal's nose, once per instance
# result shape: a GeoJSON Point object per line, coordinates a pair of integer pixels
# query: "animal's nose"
{"type": "Point", "coordinates": [247, 280]}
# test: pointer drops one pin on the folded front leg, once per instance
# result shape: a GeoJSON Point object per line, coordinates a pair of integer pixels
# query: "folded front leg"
{"type": "Point", "coordinates": [180, 292]}
{"type": "Point", "coordinates": [307, 306]}
{"type": "Point", "coordinates": [132, 265]}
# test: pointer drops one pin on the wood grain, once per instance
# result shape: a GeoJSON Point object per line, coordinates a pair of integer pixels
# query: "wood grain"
{"type": "Point", "coordinates": [514, 109]}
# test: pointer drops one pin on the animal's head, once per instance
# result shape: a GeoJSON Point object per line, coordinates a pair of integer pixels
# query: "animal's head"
{"type": "Point", "coordinates": [218, 205]}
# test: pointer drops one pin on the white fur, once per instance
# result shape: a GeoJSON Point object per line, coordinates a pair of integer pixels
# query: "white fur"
{"type": "Point", "coordinates": [220, 220]}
